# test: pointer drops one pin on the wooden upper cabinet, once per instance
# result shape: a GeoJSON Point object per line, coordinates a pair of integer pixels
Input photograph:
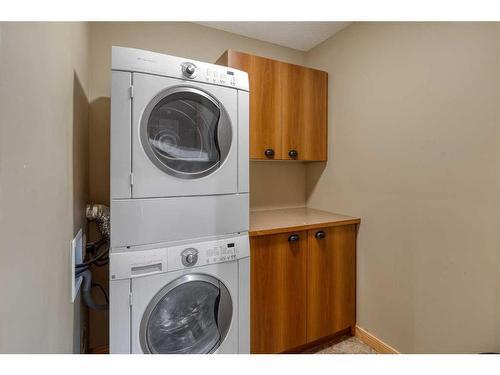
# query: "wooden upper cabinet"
{"type": "Point", "coordinates": [331, 280]}
{"type": "Point", "coordinates": [304, 113]}
{"type": "Point", "coordinates": [288, 108]}
{"type": "Point", "coordinates": [278, 266]}
{"type": "Point", "coordinates": [265, 102]}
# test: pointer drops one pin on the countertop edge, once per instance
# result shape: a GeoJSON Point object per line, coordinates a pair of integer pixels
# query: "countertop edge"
{"type": "Point", "coordinates": [277, 230]}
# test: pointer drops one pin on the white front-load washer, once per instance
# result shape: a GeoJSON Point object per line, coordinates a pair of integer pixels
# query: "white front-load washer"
{"type": "Point", "coordinates": [180, 298]}
{"type": "Point", "coordinates": [179, 148]}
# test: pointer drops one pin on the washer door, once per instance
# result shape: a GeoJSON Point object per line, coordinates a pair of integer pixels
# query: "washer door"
{"type": "Point", "coordinates": [186, 132]}
{"type": "Point", "coordinates": [190, 315]}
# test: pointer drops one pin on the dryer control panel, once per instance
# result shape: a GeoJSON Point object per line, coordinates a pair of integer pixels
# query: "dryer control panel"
{"type": "Point", "coordinates": [220, 76]}
{"type": "Point", "coordinates": [136, 60]}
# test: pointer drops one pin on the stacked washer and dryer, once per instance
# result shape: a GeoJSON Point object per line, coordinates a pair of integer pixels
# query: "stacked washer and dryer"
{"type": "Point", "coordinates": [179, 262]}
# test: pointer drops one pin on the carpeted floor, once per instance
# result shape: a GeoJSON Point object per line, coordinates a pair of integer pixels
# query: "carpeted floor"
{"type": "Point", "coordinates": [350, 345]}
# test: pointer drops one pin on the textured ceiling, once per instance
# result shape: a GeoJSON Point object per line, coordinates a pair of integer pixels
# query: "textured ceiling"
{"type": "Point", "coordinates": [298, 35]}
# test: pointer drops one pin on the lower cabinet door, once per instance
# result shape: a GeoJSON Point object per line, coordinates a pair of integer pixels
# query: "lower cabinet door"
{"type": "Point", "coordinates": [331, 280]}
{"type": "Point", "coordinates": [278, 292]}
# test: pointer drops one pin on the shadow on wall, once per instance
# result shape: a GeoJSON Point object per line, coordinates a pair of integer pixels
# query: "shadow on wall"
{"type": "Point", "coordinates": [313, 174]}
{"type": "Point", "coordinates": [80, 155]}
{"type": "Point", "coordinates": [99, 150]}
{"type": "Point", "coordinates": [80, 195]}
{"type": "Point", "coordinates": [99, 127]}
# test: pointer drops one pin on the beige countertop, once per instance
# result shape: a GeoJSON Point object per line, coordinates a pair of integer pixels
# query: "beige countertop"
{"type": "Point", "coordinates": [291, 219]}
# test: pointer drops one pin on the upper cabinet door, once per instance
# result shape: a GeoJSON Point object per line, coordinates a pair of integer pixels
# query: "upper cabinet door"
{"type": "Point", "coordinates": [304, 113]}
{"type": "Point", "coordinates": [288, 108]}
{"type": "Point", "coordinates": [265, 102]}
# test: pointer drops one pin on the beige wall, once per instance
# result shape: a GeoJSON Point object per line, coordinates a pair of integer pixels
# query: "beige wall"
{"type": "Point", "coordinates": [43, 180]}
{"type": "Point", "coordinates": [191, 41]}
{"type": "Point", "coordinates": [277, 184]}
{"type": "Point", "coordinates": [414, 151]}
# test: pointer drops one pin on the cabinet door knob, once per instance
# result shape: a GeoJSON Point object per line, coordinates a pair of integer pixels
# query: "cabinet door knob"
{"type": "Point", "coordinates": [293, 154]}
{"type": "Point", "coordinates": [293, 238]}
{"type": "Point", "coordinates": [269, 152]}
{"type": "Point", "coordinates": [320, 234]}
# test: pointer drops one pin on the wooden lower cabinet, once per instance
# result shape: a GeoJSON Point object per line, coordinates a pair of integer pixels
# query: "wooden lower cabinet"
{"type": "Point", "coordinates": [331, 281]}
{"type": "Point", "coordinates": [303, 288]}
{"type": "Point", "coordinates": [278, 273]}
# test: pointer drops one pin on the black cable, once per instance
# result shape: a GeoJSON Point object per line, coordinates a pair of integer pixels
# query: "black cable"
{"type": "Point", "coordinates": [93, 246]}
{"type": "Point", "coordinates": [92, 285]}
{"type": "Point", "coordinates": [98, 261]}
{"type": "Point", "coordinates": [98, 243]}
{"type": "Point", "coordinates": [102, 262]}
{"type": "Point", "coordinates": [92, 260]}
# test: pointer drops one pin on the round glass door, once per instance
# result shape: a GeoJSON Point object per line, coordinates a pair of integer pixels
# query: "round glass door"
{"type": "Point", "coordinates": [191, 315]}
{"type": "Point", "coordinates": [186, 132]}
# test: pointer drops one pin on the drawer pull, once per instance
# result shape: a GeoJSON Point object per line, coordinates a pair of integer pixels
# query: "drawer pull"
{"type": "Point", "coordinates": [293, 238]}
{"type": "Point", "coordinates": [320, 234]}
{"type": "Point", "coordinates": [293, 154]}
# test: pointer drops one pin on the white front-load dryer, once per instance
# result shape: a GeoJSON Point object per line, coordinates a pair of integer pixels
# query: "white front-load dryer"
{"type": "Point", "coordinates": [179, 127]}
{"type": "Point", "coordinates": [188, 298]}
{"type": "Point", "coordinates": [179, 148]}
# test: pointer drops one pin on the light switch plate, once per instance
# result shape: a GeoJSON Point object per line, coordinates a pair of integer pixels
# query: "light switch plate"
{"type": "Point", "coordinates": [76, 258]}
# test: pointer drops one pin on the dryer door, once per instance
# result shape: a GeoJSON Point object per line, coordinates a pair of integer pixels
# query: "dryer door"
{"type": "Point", "coordinates": [184, 138]}
{"type": "Point", "coordinates": [190, 315]}
{"type": "Point", "coordinates": [185, 132]}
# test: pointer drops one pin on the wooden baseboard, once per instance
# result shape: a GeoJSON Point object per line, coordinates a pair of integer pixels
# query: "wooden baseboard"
{"type": "Point", "coordinates": [375, 343]}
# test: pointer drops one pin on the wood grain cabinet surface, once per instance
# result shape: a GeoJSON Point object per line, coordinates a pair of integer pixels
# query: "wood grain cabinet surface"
{"type": "Point", "coordinates": [288, 108]}
{"type": "Point", "coordinates": [303, 289]}
{"type": "Point", "coordinates": [304, 113]}
{"type": "Point", "coordinates": [331, 281]}
{"type": "Point", "coordinates": [278, 274]}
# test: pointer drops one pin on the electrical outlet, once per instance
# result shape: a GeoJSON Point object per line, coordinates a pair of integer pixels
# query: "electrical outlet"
{"type": "Point", "coordinates": [76, 258]}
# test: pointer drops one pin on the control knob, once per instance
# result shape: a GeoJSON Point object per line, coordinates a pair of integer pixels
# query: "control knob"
{"type": "Point", "coordinates": [189, 70]}
{"type": "Point", "coordinates": [189, 257]}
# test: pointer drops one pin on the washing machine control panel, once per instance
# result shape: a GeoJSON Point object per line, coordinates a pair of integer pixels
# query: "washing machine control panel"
{"type": "Point", "coordinates": [183, 256]}
{"type": "Point", "coordinates": [221, 253]}
{"type": "Point", "coordinates": [209, 252]}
